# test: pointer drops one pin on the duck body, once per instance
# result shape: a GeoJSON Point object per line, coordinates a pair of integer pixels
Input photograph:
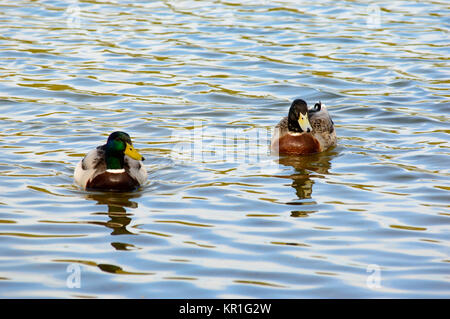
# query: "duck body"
{"type": "Point", "coordinates": [304, 131]}
{"type": "Point", "coordinates": [297, 143]}
{"type": "Point", "coordinates": [111, 167]}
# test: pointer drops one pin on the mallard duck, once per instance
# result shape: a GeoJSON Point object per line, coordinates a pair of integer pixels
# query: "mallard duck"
{"type": "Point", "coordinates": [115, 166]}
{"type": "Point", "coordinates": [304, 131]}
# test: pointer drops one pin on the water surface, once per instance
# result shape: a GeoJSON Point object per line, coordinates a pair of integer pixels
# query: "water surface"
{"type": "Point", "coordinates": [198, 85]}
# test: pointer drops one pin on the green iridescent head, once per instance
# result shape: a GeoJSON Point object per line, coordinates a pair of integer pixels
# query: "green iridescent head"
{"type": "Point", "coordinates": [118, 145]}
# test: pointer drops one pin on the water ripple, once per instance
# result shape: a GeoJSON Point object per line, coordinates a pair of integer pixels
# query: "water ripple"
{"type": "Point", "coordinates": [225, 220]}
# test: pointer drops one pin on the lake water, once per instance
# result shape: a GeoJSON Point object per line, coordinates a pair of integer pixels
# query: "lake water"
{"type": "Point", "coordinates": [198, 85]}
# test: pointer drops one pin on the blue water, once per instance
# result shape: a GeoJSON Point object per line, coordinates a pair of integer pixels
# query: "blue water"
{"type": "Point", "coordinates": [199, 85]}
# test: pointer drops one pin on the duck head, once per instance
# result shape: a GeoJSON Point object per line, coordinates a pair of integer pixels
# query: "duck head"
{"type": "Point", "coordinates": [118, 145]}
{"type": "Point", "coordinates": [298, 120]}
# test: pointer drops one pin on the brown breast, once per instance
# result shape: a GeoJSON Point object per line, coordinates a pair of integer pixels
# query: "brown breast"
{"type": "Point", "coordinates": [301, 144]}
{"type": "Point", "coordinates": [113, 182]}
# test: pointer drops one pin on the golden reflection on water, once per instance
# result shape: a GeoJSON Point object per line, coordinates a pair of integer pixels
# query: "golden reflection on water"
{"type": "Point", "coordinates": [307, 169]}
{"type": "Point", "coordinates": [117, 205]}
{"type": "Point", "coordinates": [151, 68]}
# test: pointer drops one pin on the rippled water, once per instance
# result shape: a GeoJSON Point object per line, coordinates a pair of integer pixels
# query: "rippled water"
{"type": "Point", "coordinates": [198, 85]}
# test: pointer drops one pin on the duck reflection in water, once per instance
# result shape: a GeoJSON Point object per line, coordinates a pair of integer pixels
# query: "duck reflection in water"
{"type": "Point", "coordinates": [117, 212]}
{"type": "Point", "coordinates": [306, 167]}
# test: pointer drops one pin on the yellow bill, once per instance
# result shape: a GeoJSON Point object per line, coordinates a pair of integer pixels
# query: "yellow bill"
{"type": "Point", "coordinates": [303, 121]}
{"type": "Point", "coordinates": [133, 153]}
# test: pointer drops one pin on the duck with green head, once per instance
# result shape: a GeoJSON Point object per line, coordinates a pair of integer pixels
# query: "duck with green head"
{"type": "Point", "coordinates": [114, 166]}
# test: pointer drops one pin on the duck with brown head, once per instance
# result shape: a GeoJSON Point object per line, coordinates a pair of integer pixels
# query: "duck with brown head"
{"type": "Point", "coordinates": [304, 131]}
